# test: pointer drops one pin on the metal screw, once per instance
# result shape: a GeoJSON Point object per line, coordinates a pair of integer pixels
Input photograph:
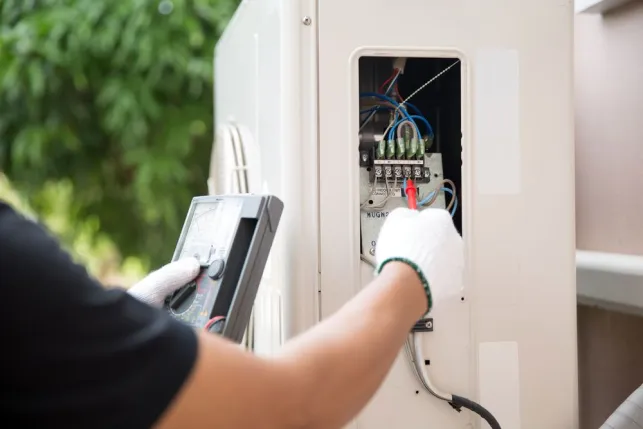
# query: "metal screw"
{"type": "Point", "coordinates": [307, 20]}
{"type": "Point", "coordinates": [364, 157]}
{"type": "Point", "coordinates": [429, 324]}
{"type": "Point", "coordinates": [427, 173]}
{"type": "Point", "coordinates": [372, 251]}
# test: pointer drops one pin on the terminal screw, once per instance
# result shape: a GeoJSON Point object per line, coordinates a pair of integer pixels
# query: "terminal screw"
{"type": "Point", "coordinates": [307, 20]}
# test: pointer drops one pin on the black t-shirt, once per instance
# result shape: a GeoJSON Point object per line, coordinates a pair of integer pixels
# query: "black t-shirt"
{"type": "Point", "coordinates": [75, 354]}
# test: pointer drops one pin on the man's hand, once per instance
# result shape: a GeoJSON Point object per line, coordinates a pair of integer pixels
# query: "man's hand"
{"type": "Point", "coordinates": [428, 242]}
{"type": "Point", "coordinates": [157, 285]}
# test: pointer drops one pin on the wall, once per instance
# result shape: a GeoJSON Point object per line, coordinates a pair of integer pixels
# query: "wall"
{"type": "Point", "coordinates": [610, 350]}
{"type": "Point", "coordinates": [609, 130]}
{"type": "Point", "coordinates": [609, 195]}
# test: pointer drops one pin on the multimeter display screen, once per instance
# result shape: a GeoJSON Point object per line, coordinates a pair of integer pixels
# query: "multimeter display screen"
{"type": "Point", "coordinates": [210, 231]}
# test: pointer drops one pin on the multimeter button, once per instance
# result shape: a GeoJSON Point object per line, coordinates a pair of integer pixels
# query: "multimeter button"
{"type": "Point", "coordinates": [215, 270]}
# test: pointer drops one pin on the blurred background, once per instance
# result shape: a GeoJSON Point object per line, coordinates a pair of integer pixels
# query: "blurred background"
{"type": "Point", "coordinates": [106, 122]}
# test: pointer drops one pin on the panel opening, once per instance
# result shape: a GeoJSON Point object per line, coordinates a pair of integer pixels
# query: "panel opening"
{"type": "Point", "coordinates": [399, 140]}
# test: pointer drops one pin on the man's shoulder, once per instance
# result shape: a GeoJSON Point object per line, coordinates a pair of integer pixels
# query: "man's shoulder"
{"type": "Point", "coordinates": [9, 219]}
{"type": "Point", "coordinates": [24, 240]}
{"type": "Point", "coordinates": [8, 214]}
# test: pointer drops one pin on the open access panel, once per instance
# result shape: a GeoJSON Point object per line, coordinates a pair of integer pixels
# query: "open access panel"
{"type": "Point", "coordinates": [231, 236]}
{"type": "Point", "coordinates": [410, 129]}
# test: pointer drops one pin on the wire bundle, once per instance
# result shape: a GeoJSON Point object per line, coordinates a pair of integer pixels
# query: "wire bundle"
{"type": "Point", "coordinates": [433, 196]}
{"type": "Point", "coordinates": [399, 110]}
{"type": "Point", "coordinates": [404, 117]}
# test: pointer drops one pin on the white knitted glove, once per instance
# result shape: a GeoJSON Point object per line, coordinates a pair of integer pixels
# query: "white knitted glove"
{"type": "Point", "coordinates": [160, 283]}
{"type": "Point", "coordinates": [427, 241]}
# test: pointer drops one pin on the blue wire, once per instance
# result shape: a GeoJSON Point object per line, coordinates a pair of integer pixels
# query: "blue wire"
{"type": "Point", "coordinates": [427, 198]}
{"type": "Point", "coordinates": [388, 99]}
{"type": "Point", "coordinates": [372, 109]}
{"type": "Point", "coordinates": [412, 106]}
{"type": "Point", "coordinates": [391, 132]}
{"type": "Point", "coordinates": [401, 109]}
{"type": "Point", "coordinates": [429, 129]}
{"type": "Point", "coordinates": [376, 108]}
{"type": "Point", "coordinates": [415, 109]}
{"type": "Point", "coordinates": [447, 190]}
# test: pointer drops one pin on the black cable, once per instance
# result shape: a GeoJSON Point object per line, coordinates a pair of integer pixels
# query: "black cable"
{"type": "Point", "coordinates": [459, 401]}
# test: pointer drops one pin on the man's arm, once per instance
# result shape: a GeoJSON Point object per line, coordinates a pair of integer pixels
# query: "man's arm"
{"type": "Point", "coordinates": [321, 379]}
{"type": "Point", "coordinates": [82, 356]}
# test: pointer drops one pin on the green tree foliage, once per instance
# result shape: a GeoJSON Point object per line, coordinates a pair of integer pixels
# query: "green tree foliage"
{"type": "Point", "coordinates": [114, 99]}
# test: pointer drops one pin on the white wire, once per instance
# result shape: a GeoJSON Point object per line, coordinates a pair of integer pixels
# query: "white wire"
{"type": "Point", "coordinates": [416, 356]}
{"type": "Point", "coordinates": [389, 193]}
{"type": "Point", "coordinates": [408, 124]}
{"type": "Point", "coordinates": [420, 89]}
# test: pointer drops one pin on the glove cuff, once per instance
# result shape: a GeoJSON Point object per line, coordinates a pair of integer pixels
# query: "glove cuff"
{"type": "Point", "coordinates": [418, 271]}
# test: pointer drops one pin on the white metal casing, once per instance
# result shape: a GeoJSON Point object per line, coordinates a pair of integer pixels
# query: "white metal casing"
{"type": "Point", "coordinates": [286, 73]}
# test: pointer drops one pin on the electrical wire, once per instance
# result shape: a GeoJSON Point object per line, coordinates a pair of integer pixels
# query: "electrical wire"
{"type": "Point", "coordinates": [212, 321]}
{"type": "Point", "coordinates": [454, 200]}
{"type": "Point", "coordinates": [427, 83]}
{"type": "Point", "coordinates": [415, 355]}
{"type": "Point", "coordinates": [416, 111]}
{"type": "Point", "coordinates": [393, 81]}
{"type": "Point", "coordinates": [379, 206]}
{"type": "Point", "coordinates": [412, 107]}
{"type": "Point", "coordinates": [429, 128]}
{"type": "Point", "coordinates": [408, 123]}
{"type": "Point", "coordinates": [430, 199]}
{"type": "Point", "coordinates": [433, 196]}
{"type": "Point", "coordinates": [414, 349]}
{"type": "Point", "coordinates": [391, 101]}
{"type": "Point", "coordinates": [371, 192]}
{"type": "Point", "coordinates": [396, 74]}
{"type": "Point", "coordinates": [364, 259]}
{"type": "Point", "coordinates": [400, 105]}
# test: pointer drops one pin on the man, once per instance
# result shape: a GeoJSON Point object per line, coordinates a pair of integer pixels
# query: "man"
{"type": "Point", "coordinates": [77, 355]}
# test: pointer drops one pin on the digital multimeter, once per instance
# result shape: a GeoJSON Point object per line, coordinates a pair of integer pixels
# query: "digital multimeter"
{"type": "Point", "coordinates": [231, 236]}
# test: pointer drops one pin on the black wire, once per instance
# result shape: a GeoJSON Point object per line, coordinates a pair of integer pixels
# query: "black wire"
{"type": "Point", "coordinates": [459, 401]}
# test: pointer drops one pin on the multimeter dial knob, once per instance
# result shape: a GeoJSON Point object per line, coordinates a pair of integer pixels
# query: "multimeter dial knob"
{"type": "Point", "coordinates": [215, 270]}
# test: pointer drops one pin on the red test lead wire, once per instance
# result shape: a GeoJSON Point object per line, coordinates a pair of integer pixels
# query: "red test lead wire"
{"type": "Point", "coordinates": [411, 194]}
{"type": "Point", "coordinates": [212, 321]}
